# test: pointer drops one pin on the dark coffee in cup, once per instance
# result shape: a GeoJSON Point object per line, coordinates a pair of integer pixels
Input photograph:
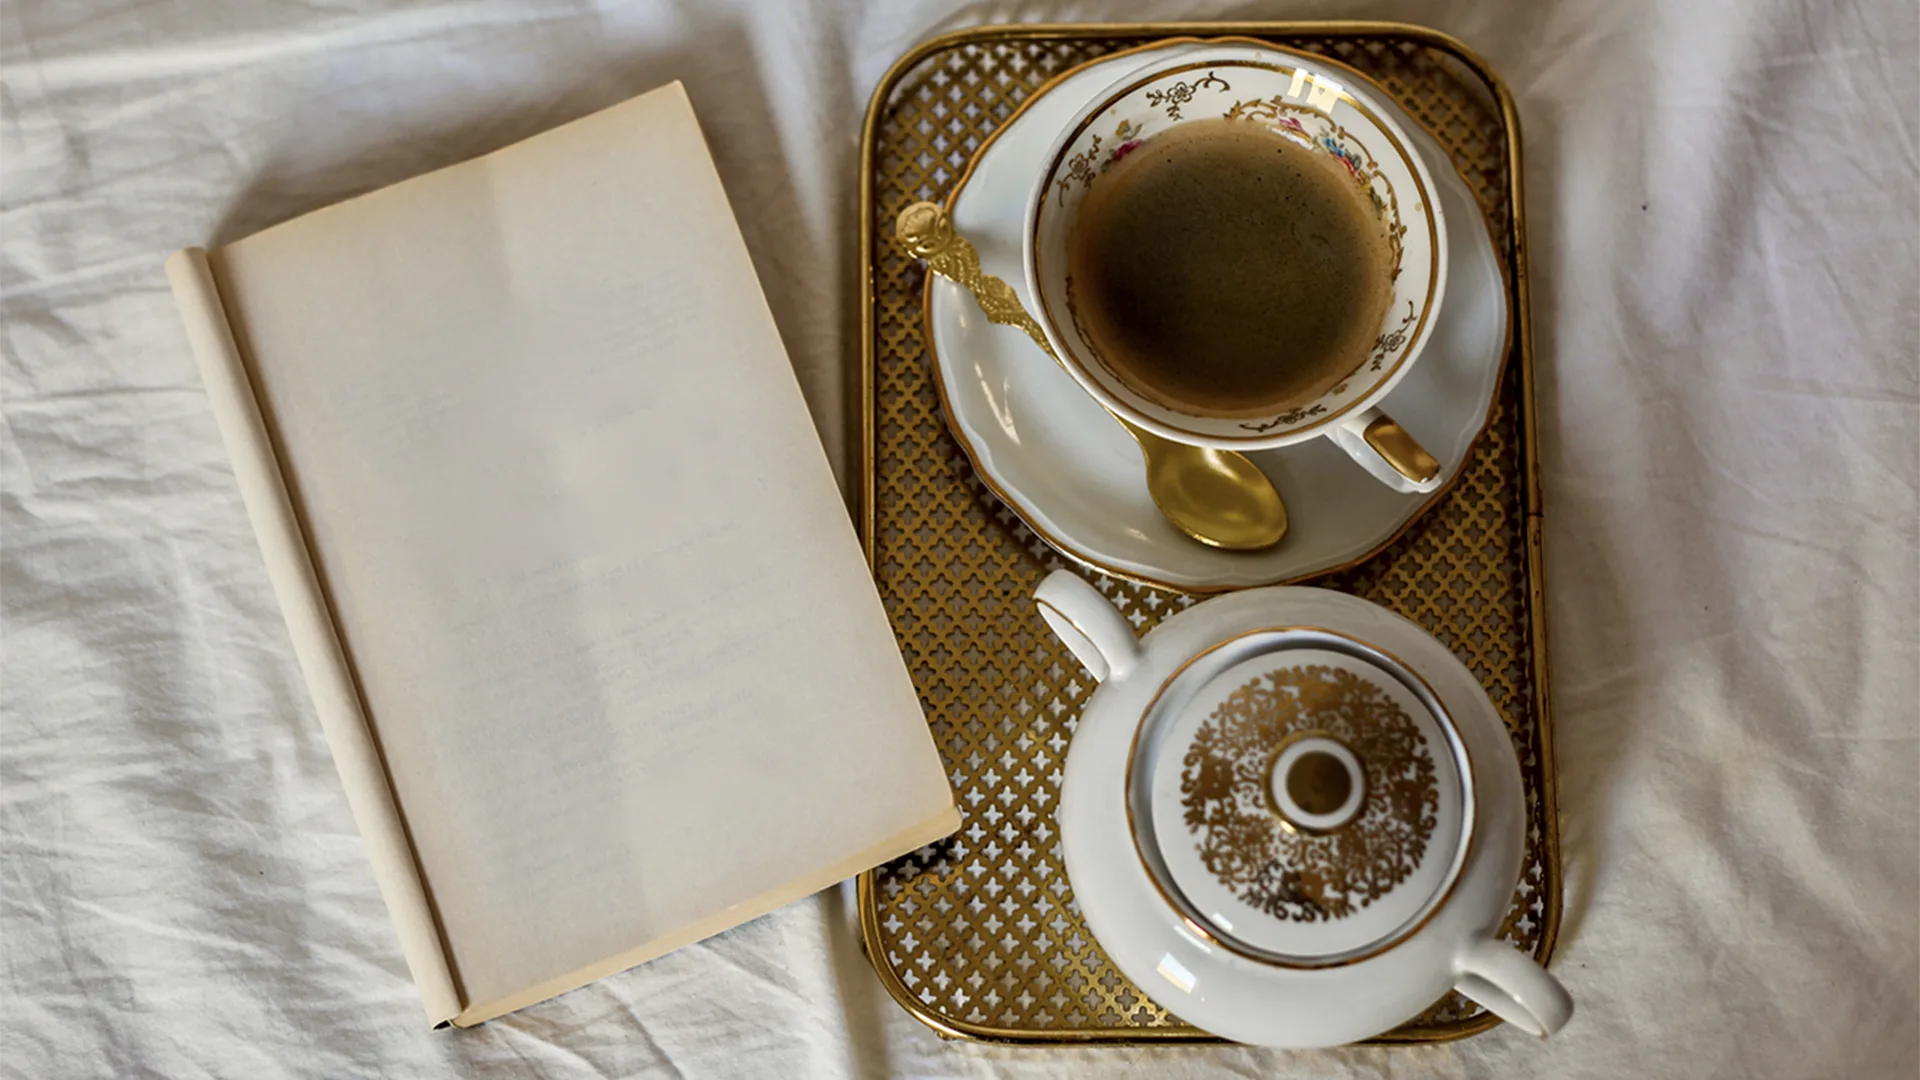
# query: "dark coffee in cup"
{"type": "Point", "coordinates": [1223, 269]}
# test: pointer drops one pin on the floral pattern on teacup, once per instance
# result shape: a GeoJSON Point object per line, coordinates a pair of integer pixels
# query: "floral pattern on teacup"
{"type": "Point", "coordinates": [1291, 416]}
{"type": "Point", "coordinates": [1182, 92]}
{"type": "Point", "coordinates": [1320, 111]}
{"type": "Point", "coordinates": [1388, 341]}
{"type": "Point", "coordinates": [1081, 168]}
{"type": "Point", "coordinates": [1291, 121]}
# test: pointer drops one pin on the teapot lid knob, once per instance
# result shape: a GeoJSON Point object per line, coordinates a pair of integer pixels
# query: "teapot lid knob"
{"type": "Point", "coordinates": [1301, 797]}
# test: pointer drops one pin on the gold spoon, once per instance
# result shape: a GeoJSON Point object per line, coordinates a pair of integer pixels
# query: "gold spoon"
{"type": "Point", "coordinates": [1218, 497]}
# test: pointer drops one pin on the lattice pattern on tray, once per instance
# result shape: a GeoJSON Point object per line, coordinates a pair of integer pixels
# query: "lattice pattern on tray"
{"type": "Point", "coordinates": [981, 930]}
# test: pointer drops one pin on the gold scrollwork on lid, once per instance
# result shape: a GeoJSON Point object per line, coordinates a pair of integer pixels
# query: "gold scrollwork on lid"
{"type": "Point", "coordinates": [1289, 873]}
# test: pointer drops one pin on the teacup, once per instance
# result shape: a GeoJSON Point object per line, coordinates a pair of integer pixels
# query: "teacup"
{"type": "Point", "coordinates": [1319, 106]}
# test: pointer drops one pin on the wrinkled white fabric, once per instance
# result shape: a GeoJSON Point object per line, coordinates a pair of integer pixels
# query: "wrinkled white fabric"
{"type": "Point", "coordinates": [1727, 307]}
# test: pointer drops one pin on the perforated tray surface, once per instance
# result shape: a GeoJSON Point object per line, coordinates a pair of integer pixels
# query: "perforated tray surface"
{"type": "Point", "coordinates": [979, 935]}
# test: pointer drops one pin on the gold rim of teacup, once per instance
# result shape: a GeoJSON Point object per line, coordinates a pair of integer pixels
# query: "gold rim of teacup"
{"type": "Point", "coordinates": [975, 455]}
{"type": "Point", "coordinates": [1415, 170]}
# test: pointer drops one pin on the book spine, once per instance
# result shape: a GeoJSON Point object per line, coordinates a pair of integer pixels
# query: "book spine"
{"type": "Point", "coordinates": [309, 616]}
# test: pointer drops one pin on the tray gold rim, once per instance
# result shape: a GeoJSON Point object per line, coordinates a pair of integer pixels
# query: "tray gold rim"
{"type": "Point", "coordinates": [1521, 330]}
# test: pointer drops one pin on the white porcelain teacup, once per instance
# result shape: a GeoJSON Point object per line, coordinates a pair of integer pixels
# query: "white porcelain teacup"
{"type": "Point", "coordinates": [1319, 105]}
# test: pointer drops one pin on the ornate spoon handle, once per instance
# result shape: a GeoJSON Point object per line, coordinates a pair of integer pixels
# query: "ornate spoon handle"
{"type": "Point", "coordinates": [1217, 497]}
{"type": "Point", "coordinates": [926, 232]}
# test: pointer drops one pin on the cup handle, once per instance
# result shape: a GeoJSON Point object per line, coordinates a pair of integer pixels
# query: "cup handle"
{"type": "Point", "coordinates": [1095, 633]}
{"type": "Point", "coordinates": [1386, 450]}
{"type": "Point", "coordinates": [1512, 986]}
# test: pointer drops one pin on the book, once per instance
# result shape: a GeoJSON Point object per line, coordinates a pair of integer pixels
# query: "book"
{"type": "Point", "coordinates": [582, 613]}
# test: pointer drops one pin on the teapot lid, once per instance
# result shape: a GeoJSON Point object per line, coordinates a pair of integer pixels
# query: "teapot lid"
{"type": "Point", "coordinates": [1300, 797]}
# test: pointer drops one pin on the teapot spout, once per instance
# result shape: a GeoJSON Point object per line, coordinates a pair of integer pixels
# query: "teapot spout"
{"type": "Point", "coordinates": [1096, 633]}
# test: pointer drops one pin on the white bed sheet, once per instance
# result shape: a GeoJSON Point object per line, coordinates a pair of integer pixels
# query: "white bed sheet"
{"type": "Point", "coordinates": [1723, 202]}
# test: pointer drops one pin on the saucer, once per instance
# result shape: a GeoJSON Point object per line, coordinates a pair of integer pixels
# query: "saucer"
{"type": "Point", "coordinates": [1075, 477]}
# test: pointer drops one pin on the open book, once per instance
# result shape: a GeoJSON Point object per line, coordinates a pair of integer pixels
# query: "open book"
{"type": "Point", "coordinates": [569, 579]}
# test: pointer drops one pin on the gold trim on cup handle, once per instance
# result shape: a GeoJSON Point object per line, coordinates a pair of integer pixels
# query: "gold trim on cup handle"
{"type": "Point", "coordinates": [1378, 444]}
{"type": "Point", "coordinates": [1512, 986]}
{"type": "Point", "coordinates": [1401, 450]}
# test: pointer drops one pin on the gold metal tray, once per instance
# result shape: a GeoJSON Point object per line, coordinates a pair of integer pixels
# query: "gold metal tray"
{"type": "Point", "coordinates": [978, 935]}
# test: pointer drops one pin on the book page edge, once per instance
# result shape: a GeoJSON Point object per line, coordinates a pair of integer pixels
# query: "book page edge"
{"type": "Point", "coordinates": [942, 824]}
{"type": "Point", "coordinates": [316, 643]}
{"type": "Point", "coordinates": [322, 215]}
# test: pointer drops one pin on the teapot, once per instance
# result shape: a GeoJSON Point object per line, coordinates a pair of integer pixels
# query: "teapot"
{"type": "Point", "coordinates": [1293, 817]}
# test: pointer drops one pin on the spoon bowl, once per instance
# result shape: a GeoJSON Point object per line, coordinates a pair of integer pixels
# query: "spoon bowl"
{"type": "Point", "coordinates": [1217, 497]}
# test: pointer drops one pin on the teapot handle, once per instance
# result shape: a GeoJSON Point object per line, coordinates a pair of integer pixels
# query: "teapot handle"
{"type": "Point", "coordinates": [1095, 633]}
{"type": "Point", "coordinates": [1512, 986]}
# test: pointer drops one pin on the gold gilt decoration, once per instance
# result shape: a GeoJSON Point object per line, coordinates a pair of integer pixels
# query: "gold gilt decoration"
{"type": "Point", "coordinates": [1081, 169]}
{"type": "Point", "coordinates": [1271, 866]}
{"type": "Point", "coordinates": [1315, 129]}
{"type": "Point", "coordinates": [1182, 92]}
{"type": "Point", "coordinates": [1291, 416]}
{"type": "Point", "coordinates": [1084, 166]}
{"type": "Point", "coordinates": [979, 935]}
{"type": "Point", "coordinates": [1390, 340]}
